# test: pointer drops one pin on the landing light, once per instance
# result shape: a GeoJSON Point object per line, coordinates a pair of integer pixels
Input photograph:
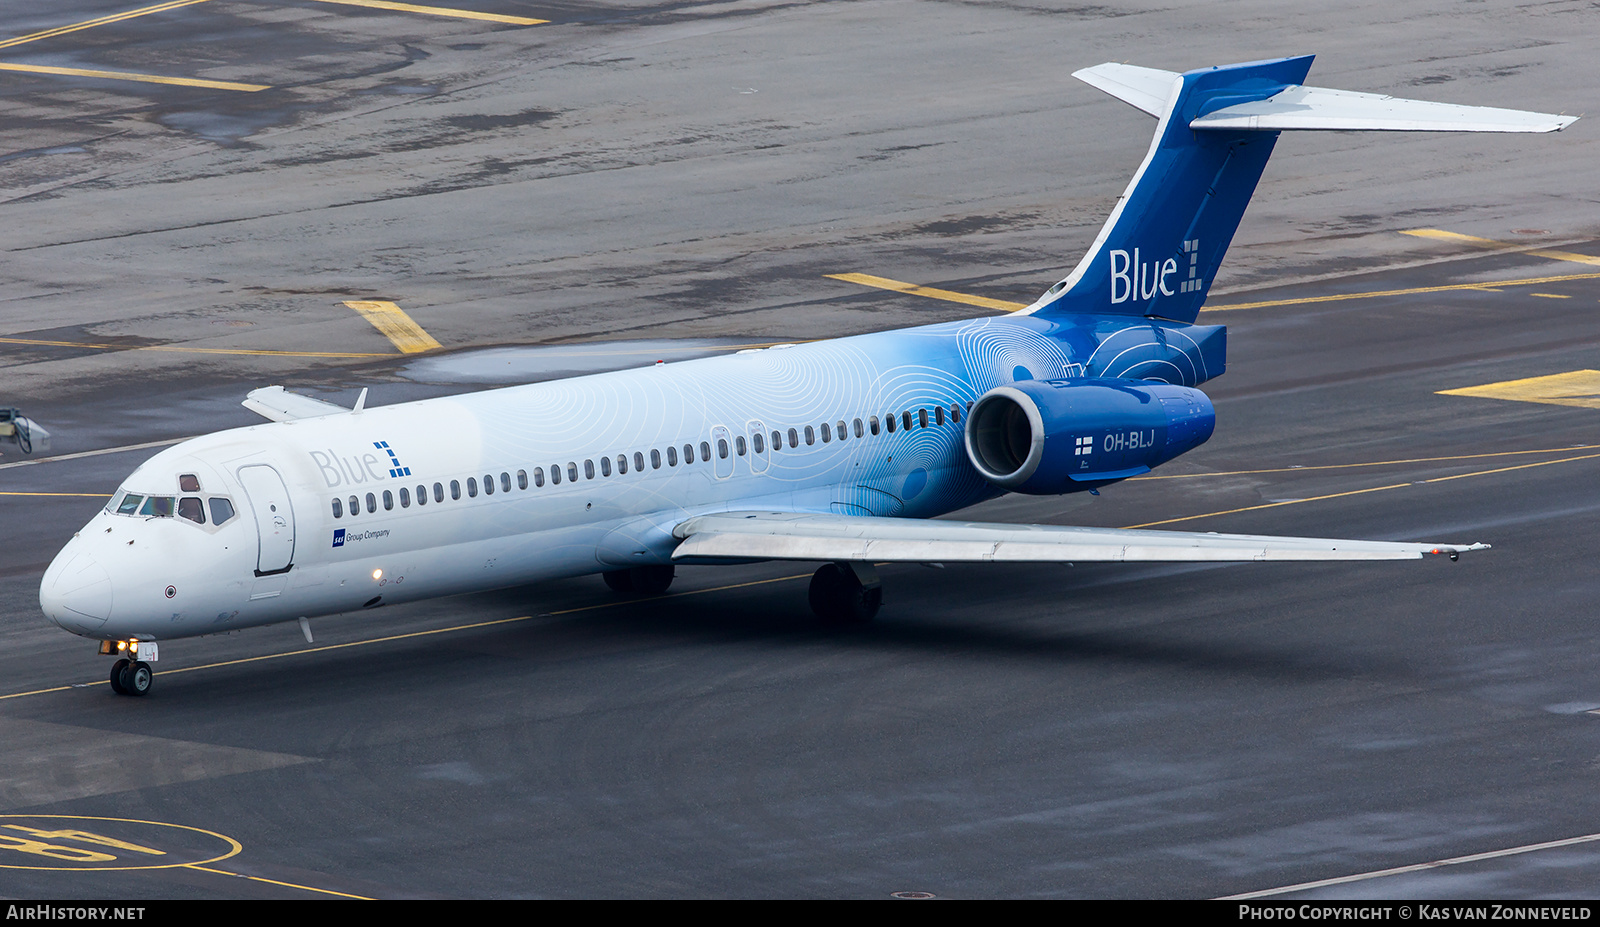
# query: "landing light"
{"type": "Point", "coordinates": [377, 574]}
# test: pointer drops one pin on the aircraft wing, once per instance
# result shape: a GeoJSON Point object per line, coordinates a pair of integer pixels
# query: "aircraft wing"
{"type": "Point", "coordinates": [802, 536]}
{"type": "Point", "coordinates": [277, 404]}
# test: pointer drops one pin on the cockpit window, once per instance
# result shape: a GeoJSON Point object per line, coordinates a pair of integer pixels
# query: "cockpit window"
{"type": "Point", "coordinates": [221, 511]}
{"type": "Point", "coordinates": [189, 507]}
{"type": "Point", "coordinates": [129, 504]}
{"type": "Point", "coordinates": [159, 506]}
{"type": "Point", "coordinates": [188, 482]}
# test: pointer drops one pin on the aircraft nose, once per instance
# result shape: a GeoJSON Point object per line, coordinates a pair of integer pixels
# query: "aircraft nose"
{"type": "Point", "coordinates": [76, 593]}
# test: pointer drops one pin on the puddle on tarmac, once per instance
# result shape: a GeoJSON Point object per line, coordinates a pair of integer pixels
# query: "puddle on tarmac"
{"type": "Point", "coordinates": [549, 362]}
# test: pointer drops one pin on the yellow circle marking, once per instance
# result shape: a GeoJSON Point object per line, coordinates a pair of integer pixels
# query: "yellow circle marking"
{"type": "Point", "coordinates": [90, 847]}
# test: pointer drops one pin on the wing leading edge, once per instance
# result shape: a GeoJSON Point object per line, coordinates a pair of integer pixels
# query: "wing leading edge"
{"type": "Point", "coordinates": [802, 536]}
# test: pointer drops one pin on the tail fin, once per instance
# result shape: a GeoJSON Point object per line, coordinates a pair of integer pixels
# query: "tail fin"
{"type": "Point", "coordinates": [1159, 251]}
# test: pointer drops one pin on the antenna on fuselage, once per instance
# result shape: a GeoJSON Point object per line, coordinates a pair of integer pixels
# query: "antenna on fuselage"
{"type": "Point", "coordinates": [361, 402]}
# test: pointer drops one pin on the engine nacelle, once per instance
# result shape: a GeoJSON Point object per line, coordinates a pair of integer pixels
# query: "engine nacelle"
{"type": "Point", "coordinates": [1060, 436]}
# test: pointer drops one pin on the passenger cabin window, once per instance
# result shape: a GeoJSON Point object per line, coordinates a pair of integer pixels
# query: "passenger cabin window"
{"type": "Point", "coordinates": [555, 474]}
{"type": "Point", "coordinates": [455, 489]}
{"type": "Point", "coordinates": [888, 421]}
{"type": "Point", "coordinates": [405, 498]}
{"type": "Point", "coordinates": [905, 420]}
{"type": "Point", "coordinates": [355, 507]}
{"type": "Point", "coordinates": [189, 507]}
{"type": "Point", "coordinates": [522, 479]}
{"type": "Point", "coordinates": [722, 448]}
{"type": "Point", "coordinates": [605, 467]}
{"type": "Point", "coordinates": [472, 488]}
{"type": "Point", "coordinates": [588, 470]}
{"type": "Point", "coordinates": [488, 484]}
{"type": "Point", "coordinates": [842, 432]}
{"type": "Point", "coordinates": [388, 501]}
{"type": "Point", "coordinates": [872, 423]}
{"type": "Point", "coordinates": [188, 482]}
{"type": "Point", "coordinates": [859, 431]}
{"type": "Point", "coordinates": [922, 418]}
{"type": "Point", "coordinates": [538, 476]}
{"type": "Point", "coordinates": [338, 509]}
{"type": "Point", "coordinates": [438, 492]}
{"type": "Point", "coordinates": [505, 481]}
{"type": "Point", "coordinates": [955, 413]}
{"type": "Point", "coordinates": [572, 470]}
{"type": "Point", "coordinates": [372, 503]}
{"type": "Point", "coordinates": [739, 446]}
{"type": "Point", "coordinates": [688, 453]}
{"type": "Point", "coordinates": [672, 457]}
{"type": "Point", "coordinates": [655, 459]}
{"type": "Point", "coordinates": [827, 433]}
{"type": "Point", "coordinates": [222, 510]}
{"type": "Point", "coordinates": [622, 464]}
{"type": "Point", "coordinates": [794, 438]}
{"type": "Point", "coordinates": [761, 447]}
{"type": "Point", "coordinates": [638, 461]}
{"type": "Point", "coordinates": [705, 451]}
{"type": "Point", "coordinates": [777, 441]}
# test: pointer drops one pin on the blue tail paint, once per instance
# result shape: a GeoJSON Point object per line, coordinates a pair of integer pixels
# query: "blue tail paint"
{"type": "Point", "coordinates": [1159, 251]}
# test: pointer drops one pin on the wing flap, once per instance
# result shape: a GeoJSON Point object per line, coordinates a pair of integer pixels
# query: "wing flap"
{"type": "Point", "coordinates": [277, 404]}
{"type": "Point", "coordinates": [801, 536]}
{"type": "Point", "coordinates": [1318, 108]}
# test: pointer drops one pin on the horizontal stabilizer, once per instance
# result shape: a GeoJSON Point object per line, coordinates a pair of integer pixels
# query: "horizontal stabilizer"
{"type": "Point", "coordinates": [1148, 89]}
{"type": "Point", "coordinates": [801, 536]}
{"type": "Point", "coordinates": [277, 404]}
{"type": "Point", "coordinates": [1317, 108]}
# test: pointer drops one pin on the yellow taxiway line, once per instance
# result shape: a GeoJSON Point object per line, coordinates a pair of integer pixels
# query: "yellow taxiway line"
{"type": "Point", "coordinates": [1580, 388]}
{"type": "Point", "coordinates": [1490, 243]}
{"type": "Point", "coordinates": [184, 350]}
{"type": "Point", "coordinates": [438, 11]}
{"type": "Point", "coordinates": [103, 20]}
{"type": "Point", "coordinates": [308, 888]}
{"type": "Point", "coordinates": [900, 286]}
{"type": "Point", "coordinates": [398, 327]}
{"type": "Point", "coordinates": [129, 75]}
{"type": "Point", "coordinates": [1409, 291]}
{"type": "Point", "coordinates": [1358, 492]}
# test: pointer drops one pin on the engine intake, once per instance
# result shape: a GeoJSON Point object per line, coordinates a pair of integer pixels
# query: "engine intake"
{"type": "Point", "coordinates": [1059, 436]}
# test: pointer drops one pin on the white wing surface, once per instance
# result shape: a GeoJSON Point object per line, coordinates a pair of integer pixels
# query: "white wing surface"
{"type": "Point", "coordinates": [801, 536]}
{"type": "Point", "coordinates": [277, 404]}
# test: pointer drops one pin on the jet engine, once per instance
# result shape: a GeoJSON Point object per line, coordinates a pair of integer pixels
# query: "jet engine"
{"type": "Point", "coordinates": [1058, 436]}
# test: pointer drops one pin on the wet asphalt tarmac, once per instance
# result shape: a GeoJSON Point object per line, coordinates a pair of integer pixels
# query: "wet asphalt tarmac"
{"type": "Point", "coordinates": [631, 180]}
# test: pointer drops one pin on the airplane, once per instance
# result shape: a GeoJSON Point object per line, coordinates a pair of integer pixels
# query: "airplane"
{"type": "Point", "coordinates": [841, 451]}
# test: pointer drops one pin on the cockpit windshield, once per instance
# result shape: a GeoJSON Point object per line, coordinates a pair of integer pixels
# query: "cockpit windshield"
{"type": "Point", "coordinates": [193, 508]}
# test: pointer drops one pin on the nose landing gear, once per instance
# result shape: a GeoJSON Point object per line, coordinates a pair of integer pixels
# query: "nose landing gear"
{"type": "Point", "coordinates": [129, 677]}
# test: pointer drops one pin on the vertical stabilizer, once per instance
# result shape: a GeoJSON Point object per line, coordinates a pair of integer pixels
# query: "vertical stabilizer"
{"type": "Point", "coordinates": [1159, 250]}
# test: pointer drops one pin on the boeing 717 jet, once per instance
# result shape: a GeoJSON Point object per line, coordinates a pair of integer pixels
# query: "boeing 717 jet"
{"type": "Point", "coordinates": [836, 451]}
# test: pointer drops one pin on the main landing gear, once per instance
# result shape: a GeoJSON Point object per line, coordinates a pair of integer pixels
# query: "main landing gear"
{"type": "Point", "coordinates": [846, 593]}
{"type": "Point", "coordinates": [130, 677]}
{"type": "Point", "coordinates": [641, 580]}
